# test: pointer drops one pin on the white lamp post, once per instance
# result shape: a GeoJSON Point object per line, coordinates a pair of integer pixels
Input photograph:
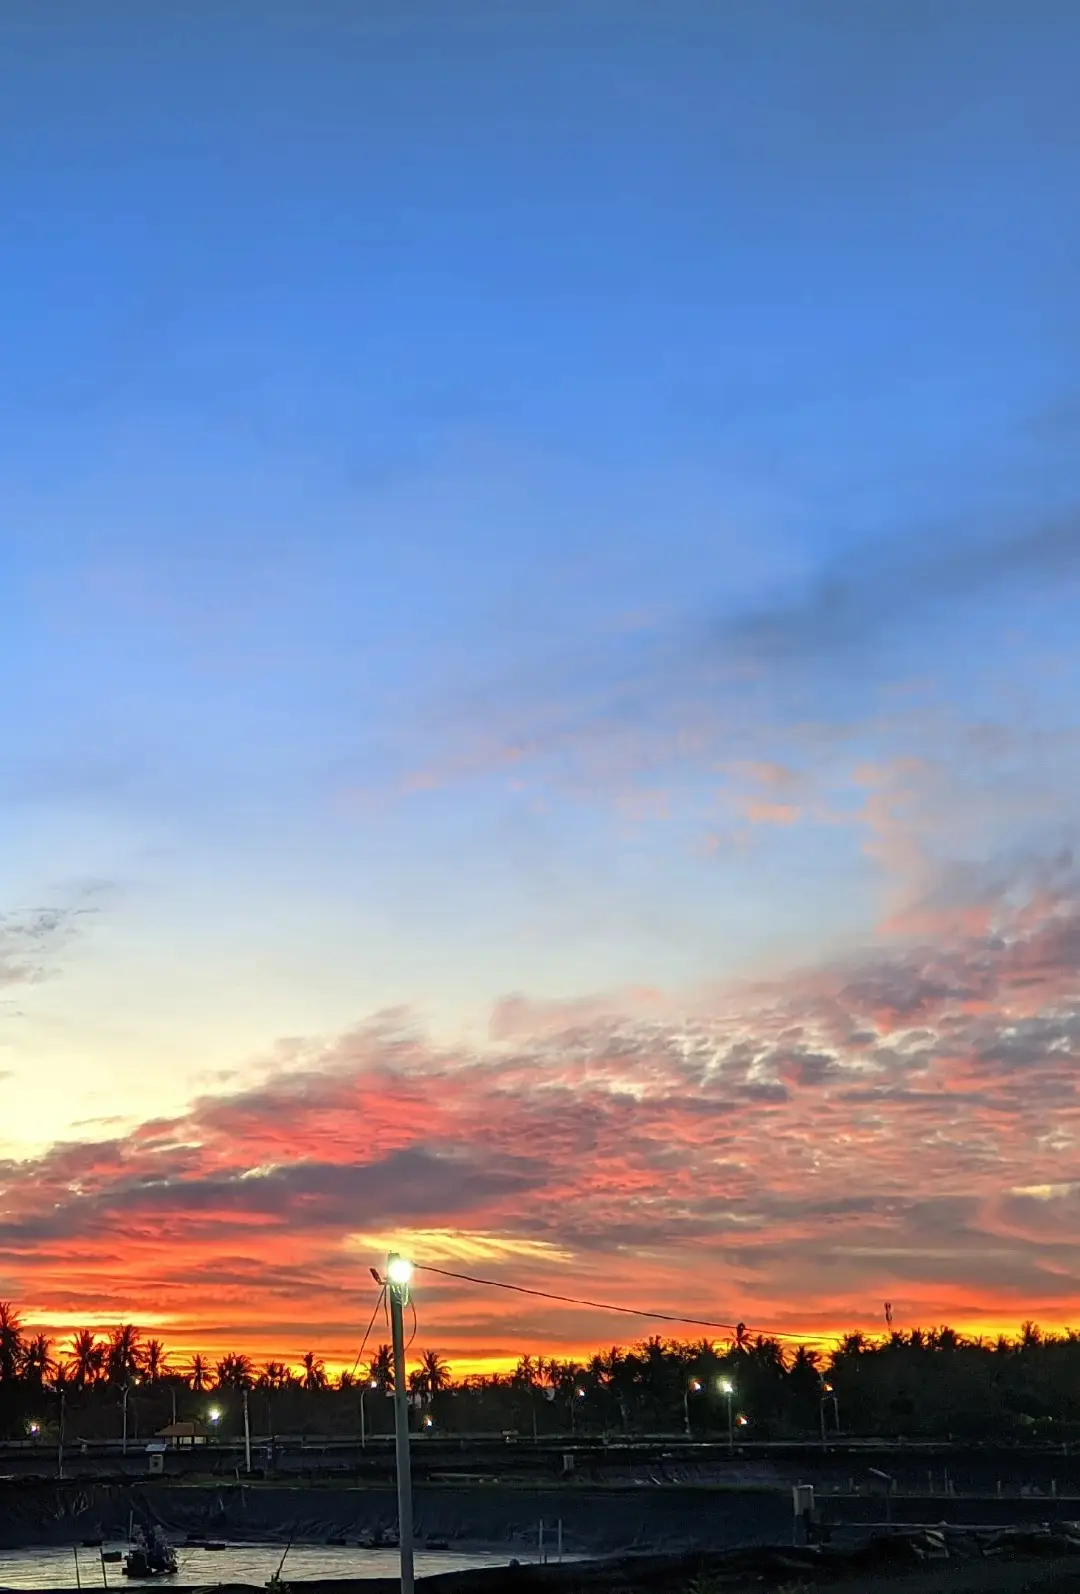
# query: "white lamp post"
{"type": "Point", "coordinates": [399, 1273]}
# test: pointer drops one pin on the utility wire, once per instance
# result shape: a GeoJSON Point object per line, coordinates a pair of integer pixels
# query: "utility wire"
{"type": "Point", "coordinates": [601, 1306]}
{"type": "Point", "coordinates": [378, 1302]}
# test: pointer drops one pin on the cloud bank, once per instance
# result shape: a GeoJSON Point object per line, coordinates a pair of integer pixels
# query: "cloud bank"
{"type": "Point", "coordinates": [903, 1125]}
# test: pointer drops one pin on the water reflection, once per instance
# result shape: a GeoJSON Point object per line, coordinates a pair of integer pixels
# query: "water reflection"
{"type": "Point", "coordinates": [54, 1567]}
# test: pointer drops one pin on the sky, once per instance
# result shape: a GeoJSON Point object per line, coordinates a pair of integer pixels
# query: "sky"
{"type": "Point", "coordinates": [539, 565]}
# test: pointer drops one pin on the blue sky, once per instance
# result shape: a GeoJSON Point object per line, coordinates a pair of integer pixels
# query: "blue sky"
{"type": "Point", "coordinates": [489, 494]}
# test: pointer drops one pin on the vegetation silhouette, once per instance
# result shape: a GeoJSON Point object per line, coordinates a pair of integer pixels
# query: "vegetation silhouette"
{"type": "Point", "coordinates": [921, 1384]}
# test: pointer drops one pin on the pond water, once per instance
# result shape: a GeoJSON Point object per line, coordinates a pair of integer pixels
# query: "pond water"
{"type": "Point", "coordinates": [53, 1567]}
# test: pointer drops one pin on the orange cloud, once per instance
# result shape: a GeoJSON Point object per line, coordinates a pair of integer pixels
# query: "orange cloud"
{"type": "Point", "coordinates": [789, 1155]}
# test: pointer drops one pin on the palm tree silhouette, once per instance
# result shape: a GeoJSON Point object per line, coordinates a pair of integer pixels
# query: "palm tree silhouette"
{"type": "Point", "coordinates": [11, 1343]}
{"type": "Point", "coordinates": [435, 1373]}
{"type": "Point", "coordinates": [87, 1358]}
{"type": "Point", "coordinates": [38, 1364]}
{"type": "Point", "coordinates": [234, 1371]}
{"type": "Point", "coordinates": [198, 1375]}
{"type": "Point", "coordinates": [314, 1371]}
{"type": "Point", "coordinates": [123, 1356]}
{"type": "Point", "coordinates": [275, 1375]}
{"type": "Point", "coordinates": [381, 1369]}
{"type": "Point", "coordinates": [154, 1361]}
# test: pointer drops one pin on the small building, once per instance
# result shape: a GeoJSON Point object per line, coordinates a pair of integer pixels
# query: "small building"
{"type": "Point", "coordinates": [183, 1435]}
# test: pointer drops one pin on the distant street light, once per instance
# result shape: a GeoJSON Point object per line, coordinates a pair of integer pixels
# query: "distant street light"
{"type": "Point", "coordinates": [727, 1388]}
{"type": "Point", "coordinates": [123, 1407]}
{"type": "Point", "coordinates": [688, 1389]}
{"type": "Point", "coordinates": [828, 1394]}
{"type": "Point", "coordinates": [372, 1384]}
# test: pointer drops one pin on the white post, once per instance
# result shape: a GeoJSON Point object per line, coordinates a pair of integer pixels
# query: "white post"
{"type": "Point", "coordinates": [559, 1540]}
{"type": "Point", "coordinates": [363, 1431]}
{"type": "Point", "coordinates": [123, 1405]}
{"type": "Point", "coordinates": [540, 1541]}
{"type": "Point", "coordinates": [399, 1294]}
{"type": "Point", "coordinates": [247, 1434]}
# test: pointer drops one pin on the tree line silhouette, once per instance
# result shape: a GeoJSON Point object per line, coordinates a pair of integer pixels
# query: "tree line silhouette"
{"type": "Point", "coordinates": [924, 1383]}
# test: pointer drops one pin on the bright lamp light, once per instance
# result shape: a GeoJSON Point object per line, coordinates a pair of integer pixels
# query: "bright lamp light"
{"type": "Point", "coordinates": [726, 1386]}
{"type": "Point", "coordinates": [399, 1270]}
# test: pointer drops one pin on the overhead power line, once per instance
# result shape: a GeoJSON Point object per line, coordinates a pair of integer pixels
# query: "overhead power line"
{"type": "Point", "coordinates": [367, 1331]}
{"type": "Point", "coordinates": [605, 1306]}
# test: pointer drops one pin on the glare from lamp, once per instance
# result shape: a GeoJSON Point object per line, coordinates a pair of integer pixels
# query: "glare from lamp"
{"type": "Point", "coordinates": [399, 1270]}
{"type": "Point", "coordinates": [726, 1386]}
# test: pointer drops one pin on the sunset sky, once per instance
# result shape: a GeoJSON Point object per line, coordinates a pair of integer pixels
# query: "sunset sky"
{"type": "Point", "coordinates": [540, 621]}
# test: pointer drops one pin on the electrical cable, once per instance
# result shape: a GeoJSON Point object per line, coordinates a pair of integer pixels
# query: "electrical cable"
{"type": "Point", "coordinates": [378, 1302]}
{"type": "Point", "coordinates": [603, 1306]}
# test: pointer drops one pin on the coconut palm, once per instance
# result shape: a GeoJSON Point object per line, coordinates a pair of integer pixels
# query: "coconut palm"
{"type": "Point", "coordinates": [275, 1375]}
{"type": "Point", "coordinates": [436, 1373]}
{"type": "Point", "coordinates": [11, 1343]}
{"type": "Point", "coordinates": [155, 1361]}
{"type": "Point", "coordinates": [381, 1369]}
{"type": "Point", "coordinates": [314, 1376]}
{"type": "Point", "coordinates": [87, 1358]}
{"type": "Point", "coordinates": [198, 1374]}
{"type": "Point", "coordinates": [123, 1355]}
{"type": "Point", "coordinates": [38, 1364]}
{"type": "Point", "coordinates": [526, 1374]}
{"type": "Point", "coordinates": [234, 1371]}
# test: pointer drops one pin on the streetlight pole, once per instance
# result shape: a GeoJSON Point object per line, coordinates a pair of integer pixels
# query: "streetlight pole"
{"type": "Point", "coordinates": [123, 1407]}
{"type": "Point", "coordinates": [60, 1434]}
{"type": "Point", "coordinates": [398, 1274]}
{"type": "Point", "coordinates": [828, 1393]}
{"type": "Point", "coordinates": [694, 1386]}
{"type": "Point", "coordinates": [247, 1434]}
{"type": "Point", "coordinates": [373, 1383]}
{"type": "Point", "coordinates": [728, 1389]}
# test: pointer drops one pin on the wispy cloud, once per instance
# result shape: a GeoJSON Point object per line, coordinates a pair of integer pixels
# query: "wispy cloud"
{"type": "Point", "coordinates": [854, 601]}
{"type": "Point", "coordinates": [33, 940]}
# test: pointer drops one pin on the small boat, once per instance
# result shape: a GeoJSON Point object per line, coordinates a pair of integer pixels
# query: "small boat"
{"type": "Point", "coordinates": [150, 1556]}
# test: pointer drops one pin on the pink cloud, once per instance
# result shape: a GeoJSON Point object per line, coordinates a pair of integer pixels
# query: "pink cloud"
{"type": "Point", "coordinates": [785, 1154]}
